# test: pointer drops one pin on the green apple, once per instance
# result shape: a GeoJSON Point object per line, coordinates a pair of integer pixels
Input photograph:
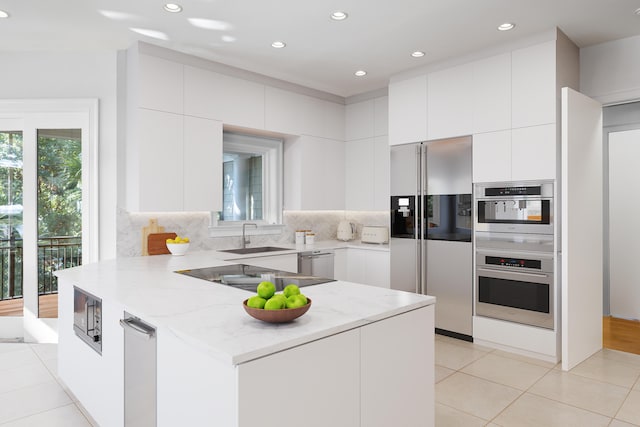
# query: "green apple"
{"type": "Point", "coordinates": [274, 304]}
{"type": "Point", "coordinates": [266, 289]}
{"type": "Point", "coordinates": [291, 289]}
{"type": "Point", "coordinates": [280, 297]}
{"type": "Point", "coordinates": [304, 298]}
{"type": "Point", "coordinates": [256, 301]}
{"type": "Point", "coordinates": [295, 301]}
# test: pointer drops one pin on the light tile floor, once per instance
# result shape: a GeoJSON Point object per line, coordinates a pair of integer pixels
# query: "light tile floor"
{"type": "Point", "coordinates": [475, 386]}
{"type": "Point", "coordinates": [479, 386]}
{"type": "Point", "coordinates": [31, 394]}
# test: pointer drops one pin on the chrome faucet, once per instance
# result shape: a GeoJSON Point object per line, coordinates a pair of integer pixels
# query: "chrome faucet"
{"type": "Point", "coordinates": [245, 241]}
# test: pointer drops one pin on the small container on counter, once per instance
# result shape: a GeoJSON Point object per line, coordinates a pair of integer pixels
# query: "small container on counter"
{"type": "Point", "coordinates": [300, 237]}
{"type": "Point", "coordinates": [310, 238]}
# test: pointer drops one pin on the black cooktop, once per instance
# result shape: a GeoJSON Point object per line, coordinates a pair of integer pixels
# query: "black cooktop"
{"type": "Point", "coordinates": [247, 277]}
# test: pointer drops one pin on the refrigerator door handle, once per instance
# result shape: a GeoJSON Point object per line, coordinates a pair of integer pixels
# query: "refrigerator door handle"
{"type": "Point", "coordinates": [423, 219]}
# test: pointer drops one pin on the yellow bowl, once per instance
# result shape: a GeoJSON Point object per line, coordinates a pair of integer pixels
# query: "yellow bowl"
{"type": "Point", "coordinates": [276, 316]}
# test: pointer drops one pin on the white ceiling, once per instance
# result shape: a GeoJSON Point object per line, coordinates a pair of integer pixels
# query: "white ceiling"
{"type": "Point", "coordinates": [378, 36]}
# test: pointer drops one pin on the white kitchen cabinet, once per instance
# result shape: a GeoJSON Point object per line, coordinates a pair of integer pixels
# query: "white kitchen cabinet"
{"type": "Point", "coordinates": [491, 94]}
{"type": "Point", "coordinates": [450, 105]}
{"type": "Point", "coordinates": [515, 155]}
{"type": "Point", "coordinates": [408, 110]}
{"type": "Point", "coordinates": [340, 263]}
{"type": "Point", "coordinates": [359, 174]}
{"type": "Point", "coordinates": [288, 262]}
{"type": "Point", "coordinates": [314, 174]}
{"type": "Point", "coordinates": [393, 343]}
{"type": "Point", "coordinates": [381, 116]}
{"type": "Point", "coordinates": [220, 97]}
{"type": "Point", "coordinates": [534, 92]}
{"type": "Point", "coordinates": [360, 120]}
{"type": "Point", "coordinates": [297, 114]}
{"type": "Point", "coordinates": [271, 396]}
{"type": "Point", "coordinates": [492, 156]}
{"type": "Point", "coordinates": [370, 267]}
{"type": "Point", "coordinates": [158, 171]}
{"type": "Point", "coordinates": [381, 173]}
{"type": "Point", "coordinates": [174, 163]}
{"type": "Point", "coordinates": [202, 187]}
{"type": "Point", "coordinates": [159, 82]}
{"type": "Point", "coordinates": [533, 152]}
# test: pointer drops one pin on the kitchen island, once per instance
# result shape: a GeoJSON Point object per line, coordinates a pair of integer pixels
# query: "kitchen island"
{"type": "Point", "coordinates": [361, 356]}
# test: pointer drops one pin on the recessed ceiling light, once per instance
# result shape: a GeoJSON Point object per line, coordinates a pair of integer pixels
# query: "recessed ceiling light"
{"type": "Point", "coordinates": [360, 73]}
{"type": "Point", "coordinates": [417, 54]}
{"type": "Point", "coordinates": [228, 39]}
{"type": "Point", "coordinates": [278, 45]}
{"type": "Point", "coordinates": [506, 26]}
{"type": "Point", "coordinates": [4, 14]}
{"type": "Point", "coordinates": [173, 7]}
{"type": "Point", "coordinates": [339, 15]}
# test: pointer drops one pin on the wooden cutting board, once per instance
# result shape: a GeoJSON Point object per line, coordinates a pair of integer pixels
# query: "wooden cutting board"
{"type": "Point", "coordinates": [153, 227]}
{"type": "Point", "coordinates": [157, 244]}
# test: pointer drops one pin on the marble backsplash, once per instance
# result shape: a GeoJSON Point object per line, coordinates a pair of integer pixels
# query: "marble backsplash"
{"type": "Point", "coordinates": [196, 225]}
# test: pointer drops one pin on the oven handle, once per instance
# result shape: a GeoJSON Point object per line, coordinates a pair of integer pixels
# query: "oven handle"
{"type": "Point", "coordinates": [519, 273]}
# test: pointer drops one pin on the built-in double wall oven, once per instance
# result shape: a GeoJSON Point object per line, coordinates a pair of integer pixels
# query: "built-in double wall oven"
{"type": "Point", "coordinates": [514, 248]}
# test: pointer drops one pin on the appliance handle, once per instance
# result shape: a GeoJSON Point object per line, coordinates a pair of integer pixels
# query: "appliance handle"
{"type": "Point", "coordinates": [131, 324]}
{"type": "Point", "coordinates": [519, 273]}
{"type": "Point", "coordinates": [424, 221]}
{"type": "Point", "coordinates": [418, 223]}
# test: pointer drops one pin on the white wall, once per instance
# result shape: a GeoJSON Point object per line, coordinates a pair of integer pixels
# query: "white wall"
{"type": "Point", "coordinates": [610, 72]}
{"type": "Point", "coordinates": [74, 75]}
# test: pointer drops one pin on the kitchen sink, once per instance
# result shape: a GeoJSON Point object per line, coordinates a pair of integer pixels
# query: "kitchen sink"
{"type": "Point", "coordinates": [257, 250]}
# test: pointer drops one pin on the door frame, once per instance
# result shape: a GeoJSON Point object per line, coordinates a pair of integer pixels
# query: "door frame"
{"type": "Point", "coordinates": [53, 113]}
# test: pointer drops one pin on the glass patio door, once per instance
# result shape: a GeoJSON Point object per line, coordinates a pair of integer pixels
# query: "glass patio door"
{"type": "Point", "coordinates": [44, 216]}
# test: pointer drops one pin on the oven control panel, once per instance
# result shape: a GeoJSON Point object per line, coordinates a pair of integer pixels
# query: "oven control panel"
{"type": "Point", "coordinates": [514, 262]}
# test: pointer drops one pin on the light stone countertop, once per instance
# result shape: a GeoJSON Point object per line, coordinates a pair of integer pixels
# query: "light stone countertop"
{"type": "Point", "coordinates": [210, 317]}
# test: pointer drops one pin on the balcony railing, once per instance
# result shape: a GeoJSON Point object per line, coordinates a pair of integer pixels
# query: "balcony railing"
{"type": "Point", "coordinates": [54, 253]}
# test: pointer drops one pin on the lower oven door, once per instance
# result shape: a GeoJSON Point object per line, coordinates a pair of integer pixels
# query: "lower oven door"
{"type": "Point", "coordinates": [516, 296]}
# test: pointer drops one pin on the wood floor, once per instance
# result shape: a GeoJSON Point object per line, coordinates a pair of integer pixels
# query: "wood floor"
{"type": "Point", "coordinates": [621, 334]}
{"type": "Point", "coordinates": [48, 306]}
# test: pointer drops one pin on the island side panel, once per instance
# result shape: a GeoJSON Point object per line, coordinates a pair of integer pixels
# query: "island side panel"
{"type": "Point", "coordinates": [398, 371]}
{"type": "Point", "coordinates": [313, 385]}
{"type": "Point", "coordinates": [194, 389]}
{"type": "Point", "coordinates": [97, 381]}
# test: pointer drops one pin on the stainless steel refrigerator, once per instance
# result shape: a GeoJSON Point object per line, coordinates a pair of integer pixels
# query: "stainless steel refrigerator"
{"type": "Point", "coordinates": [431, 228]}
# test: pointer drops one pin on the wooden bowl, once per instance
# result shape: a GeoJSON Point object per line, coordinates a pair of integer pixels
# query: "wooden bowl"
{"type": "Point", "coordinates": [276, 316]}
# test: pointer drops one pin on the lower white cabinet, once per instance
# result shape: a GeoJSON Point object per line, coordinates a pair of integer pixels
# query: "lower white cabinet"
{"type": "Point", "coordinates": [410, 383]}
{"type": "Point", "coordinates": [340, 264]}
{"type": "Point", "coordinates": [366, 266]}
{"type": "Point", "coordinates": [313, 385]}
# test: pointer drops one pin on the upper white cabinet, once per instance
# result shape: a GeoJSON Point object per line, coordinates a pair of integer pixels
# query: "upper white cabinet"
{"type": "Point", "coordinates": [492, 156]}
{"type": "Point", "coordinates": [515, 155]}
{"type": "Point", "coordinates": [360, 120]}
{"type": "Point", "coordinates": [491, 94]}
{"type": "Point", "coordinates": [381, 116]}
{"type": "Point", "coordinates": [159, 84]}
{"type": "Point", "coordinates": [534, 90]}
{"type": "Point", "coordinates": [450, 106]}
{"type": "Point", "coordinates": [202, 164]}
{"type": "Point", "coordinates": [217, 96]}
{"type": "Point", "coordinates": [367, 156]}
{"type": "Point", "coordinates": [408, 110]}
{"type": "Point", "coordinates": [533, 152]}
{"type": "Point", "coordinates": [174, 164]}
{"type": "Point", "coordinates": [297, 114]}
{"type": "Point", "coordinates": [314, 174]}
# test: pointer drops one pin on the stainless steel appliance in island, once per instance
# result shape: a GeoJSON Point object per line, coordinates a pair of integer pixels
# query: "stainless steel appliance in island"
{"type": "Point", "coordinates": [431, 228]}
